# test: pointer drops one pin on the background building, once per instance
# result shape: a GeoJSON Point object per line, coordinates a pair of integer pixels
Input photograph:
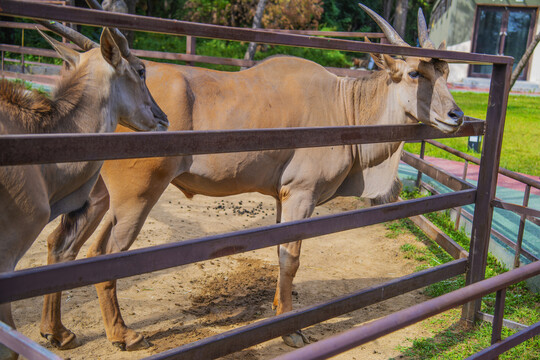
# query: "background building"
{"type": "Point", "coordinates": [491, 27]}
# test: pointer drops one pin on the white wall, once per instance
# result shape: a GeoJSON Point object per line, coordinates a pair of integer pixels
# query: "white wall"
{"type": "Point", "coordinates": [458, 72]}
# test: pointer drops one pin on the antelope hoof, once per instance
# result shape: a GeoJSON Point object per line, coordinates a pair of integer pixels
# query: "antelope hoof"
{"type": "Point", "coordinates": [139, 344]}
{"type": "Point", "coordinates": [296, 339]}
{"type": "Point", "coordinates": [70, 342]}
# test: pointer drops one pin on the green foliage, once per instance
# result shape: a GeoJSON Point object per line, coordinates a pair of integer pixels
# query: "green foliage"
{"type": "Point", "coordinates": [278, 14]}
{"type": "Point", "coordinates": [520, 150]}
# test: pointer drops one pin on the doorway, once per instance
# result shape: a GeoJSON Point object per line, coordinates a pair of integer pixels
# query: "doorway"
{"type": "Point", "coordinates": [502, 30]}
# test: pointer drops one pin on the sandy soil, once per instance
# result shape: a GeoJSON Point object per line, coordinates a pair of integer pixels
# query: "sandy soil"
{"type": "Point", "coordinates": [188, 303]}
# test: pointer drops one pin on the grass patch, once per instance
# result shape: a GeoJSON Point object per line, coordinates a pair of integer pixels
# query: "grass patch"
{"type": "Point", "coordinates": [449, 339]}
{"type": "Point", "coordinates": [520, 150]}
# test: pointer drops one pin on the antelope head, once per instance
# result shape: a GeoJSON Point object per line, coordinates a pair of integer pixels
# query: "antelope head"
{"type": "Point", "coordinates": [421, 83]}
{"type": "Point", "coordinates": [119, 76]}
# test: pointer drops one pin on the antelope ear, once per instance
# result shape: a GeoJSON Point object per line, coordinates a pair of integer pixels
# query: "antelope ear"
{"type": "Point", "coordinates": [442, 46]}
{"type": "Point", "coordinates": [69, 55]}
{"type": "Point", "coordinates": [109, 49]}
{"type": "Point", "coordinates": [391, 65]}
{"type": "Point", "coordinates": [377, 58]}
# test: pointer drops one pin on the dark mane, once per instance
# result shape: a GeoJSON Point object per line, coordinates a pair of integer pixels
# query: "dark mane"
{"type": "Point", "coordinates": [36, 113]}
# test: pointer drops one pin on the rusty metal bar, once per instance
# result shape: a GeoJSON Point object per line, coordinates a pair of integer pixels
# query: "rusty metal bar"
{"type": "Point", "coordinates": [503, 239]}
{"type": "Point", "coordinates": [508, 343]}
{"type": "Point", "coordinates": [252, 334]}
{"type": "Point", "coordinates": [422, 154]}
{"type": "Point", "coordinates": [521, 229]}
{"type": "Point", "coordinates": [53, 148]}
{"type": "Point", "coordinates": [498, 318]}
{"type": "Point", "coordinates": [446, 242]}
{"type": "Point", "coordinates": [29, 50]}
{"type": "Point", "coordinates": [506, 323]}
{"type": "Point", "coordinates": [487, 181]}
{"type": "Point", "coordinates": [518, 209]}
{"type": "Point", "coordinates": [513, 175]}
{"type": "Point", "coordinates": [335, 345]}
{"type": "Point", "coordinates": [458, 215]}
{"type": "Point", "coordinates": [370, 35]}
{"type": "Point", "coordinates": [191, 47]}
{"type": "Point", "coordinates": [23, 345]}
{"type": "Point", "coordinates": [47, 279]}
{"type": "Point", "coordinates": [439, 175]}
{"type": "Point", "coordinates": [29, 77]}
{"type": "Point", "coordinates": [166, 26]}
{"type": "Point", "coordinates": [19, 25]}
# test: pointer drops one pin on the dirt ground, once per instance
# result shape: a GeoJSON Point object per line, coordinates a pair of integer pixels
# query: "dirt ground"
{"type": "Point", "coordinates": [181, 305]}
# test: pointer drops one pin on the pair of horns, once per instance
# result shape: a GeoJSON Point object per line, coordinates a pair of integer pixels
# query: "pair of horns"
{"type": "Point", "coordinates": [392, 35]}
{"type": "Point", "coordinates": [82, 41]}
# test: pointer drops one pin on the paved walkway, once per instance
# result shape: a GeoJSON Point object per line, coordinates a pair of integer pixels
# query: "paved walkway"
{"type": "Point", "coordinates": [504, 221]}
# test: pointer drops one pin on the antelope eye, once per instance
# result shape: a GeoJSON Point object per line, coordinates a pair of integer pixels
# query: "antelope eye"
{"type": "Point", "coordinates": [142, 73]}
{"type": "Point", "coordinates": [414, 74]}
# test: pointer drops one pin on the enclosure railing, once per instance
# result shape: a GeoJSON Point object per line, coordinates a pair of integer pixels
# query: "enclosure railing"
{"type": "Point", "coordinates": [327, 348]}
{"type": "Point", "coordinates": [525, 212]}
{"type": "Point", "coordinates": [190, 57]}
{"type": "Point", "coordinates": [50, 148]}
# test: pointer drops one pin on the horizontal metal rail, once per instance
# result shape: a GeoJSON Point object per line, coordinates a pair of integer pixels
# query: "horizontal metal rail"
{"type": "Point", "coordinates": [501, 237]}
{"type": "Point", "coordinates": [340, 343]}
{"type": "Point", "coordinates": [52, 278]}
{"type": "Point", "coordinates": [166, 26]}
{"type": "Point", "coordinates": [511, 174]}
{"type": "Point", "coordinates": [252, 334]}
{"type": "Point", "coordinates": [23, 345]}
{"type": "Point", "coordinates": [175, 57]}
{"type": "Point", "coordinates": [437, 174]}
{"type": "Point", "coordinates": [518, 209]}
{"type": "Point", "coordinates": [345, 34]}
{"type": "Point", "coordinates": [54, 148]}
{"type": "Point", "coordinates": [504, 345]}
{"type": "Point", "coordinates": [29, 50]}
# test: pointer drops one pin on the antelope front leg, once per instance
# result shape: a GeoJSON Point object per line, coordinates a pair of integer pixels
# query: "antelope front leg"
{"type": "Point", "coordinates": [64, 244]}
{"type": "Point", "coordinates": [297, 206]}
{"type": "Point", "coordinates": [129, 207]}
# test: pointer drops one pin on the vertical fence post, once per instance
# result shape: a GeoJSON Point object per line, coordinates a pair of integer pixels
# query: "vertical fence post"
{"type": "Point", "coordinates": [422, 152]}
{"type": "Point", "coordinates": [496, 329]}
{"type": "Point", "coordinates": [2, 60]}
{"type": "Point", "coordinates": [487, 182]}
{"type": "Point", "coordinates": [458, 215]}
{"type": "Point", "coordinates": [521, 230]}
{"type": "Point", "coordinates": [191, 47]}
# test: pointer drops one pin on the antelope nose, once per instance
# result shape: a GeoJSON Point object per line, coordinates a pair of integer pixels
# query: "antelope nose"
{"type": "Point", "coordinates": [456, 114]}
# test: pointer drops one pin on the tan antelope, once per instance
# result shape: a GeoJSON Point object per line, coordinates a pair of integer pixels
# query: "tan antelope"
{"type": "Point", "coordinates": [102, 88]}
{"type": "Point", "coordinates": [280, 92]}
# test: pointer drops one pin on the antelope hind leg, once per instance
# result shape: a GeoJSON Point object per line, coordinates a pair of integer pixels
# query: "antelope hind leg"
{"type": "Point", "coordinates": [64, 244]}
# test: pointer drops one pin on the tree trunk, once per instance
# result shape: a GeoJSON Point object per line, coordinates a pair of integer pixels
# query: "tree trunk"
{"type": "Point", "coordinates": [524, 60]}
{"type": "Point", "coordinates": [387, 9]}
{"type": "Point", "coordinates": [400, 18]}
{"type": "Point", "coordinates": [257, 19]}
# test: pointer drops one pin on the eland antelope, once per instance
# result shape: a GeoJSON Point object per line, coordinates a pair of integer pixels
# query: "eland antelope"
{"type": "Point", "coordinates": [280, 92]}
{"type": "Point", "coordinates": [102, 88]}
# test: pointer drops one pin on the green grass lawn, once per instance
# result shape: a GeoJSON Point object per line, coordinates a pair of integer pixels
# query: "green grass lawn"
{"type": "Point", "coordinates": [521, 147]}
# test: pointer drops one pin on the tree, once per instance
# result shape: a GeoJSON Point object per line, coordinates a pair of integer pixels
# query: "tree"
{"type": "Point", "coordinates": [257, 19]}
{"type": "Point", "coordinates": [400, 17]}
{"type": "Point", "coordinates": [524, 60]}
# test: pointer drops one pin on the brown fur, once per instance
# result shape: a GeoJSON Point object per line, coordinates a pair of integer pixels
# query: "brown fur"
{"type": "Point", "coordinates": [35, 112]}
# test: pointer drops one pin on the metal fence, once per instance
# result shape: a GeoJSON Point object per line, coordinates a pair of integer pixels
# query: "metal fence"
{"type": "Point", "coordinates": [26, 149]}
